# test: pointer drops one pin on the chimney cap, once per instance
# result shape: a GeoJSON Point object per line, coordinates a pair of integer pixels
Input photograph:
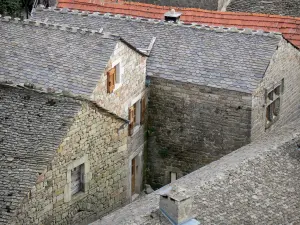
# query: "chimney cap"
{"type": "Point", "coordinates": [173, 13]}
{"type": "Point", "coordinates": [175, 193]}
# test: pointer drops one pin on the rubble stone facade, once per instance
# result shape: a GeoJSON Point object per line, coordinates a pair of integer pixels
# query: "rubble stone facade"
{"type": "Point", "coordinates": [284, 70]}
{"type": "Point", "coordinates": [192, 125]}
{"type": "Point", "coordinates": [133, 75]}
{"type": "Point", "coordinates": [98, 141]}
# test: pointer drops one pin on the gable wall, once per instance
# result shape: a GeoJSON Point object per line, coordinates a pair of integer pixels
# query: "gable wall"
{"type": "Point", "coordinates": [101, 141]}
{"type": "Point", "coordinates": [285, 64]}
{"type": "Point", "coordinates": [133, 84]}
{"type": "Point", "coordinates": [191, 126]}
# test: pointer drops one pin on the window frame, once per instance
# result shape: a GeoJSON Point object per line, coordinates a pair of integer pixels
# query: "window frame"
{"type": "Point", "coordinates": [117, 77]}
{"type": "Point", "coordinates": [85, 178]}
{"type": "Point", "coordinates": [136, 114]}
{"type": "Point", "coordinates": [273, 100]}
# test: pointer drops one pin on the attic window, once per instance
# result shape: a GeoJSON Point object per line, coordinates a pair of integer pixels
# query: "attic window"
{"type": "Point", "coordinates": [273, 102]}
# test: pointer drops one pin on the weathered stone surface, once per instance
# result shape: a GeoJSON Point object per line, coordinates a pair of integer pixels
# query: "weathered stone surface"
{"type": "Point", "coordinates": [191, 126]}
{"type": "Point", "coordinates": [133, 73]}
{"type": "Point", "coordinates": [285, 64]}
{"type": "Point", "coordinates": [97, 136]}
{"type": "Point", "coordinates": [257, 184]}
{"type": "Point", "coordinates": [32, 125]}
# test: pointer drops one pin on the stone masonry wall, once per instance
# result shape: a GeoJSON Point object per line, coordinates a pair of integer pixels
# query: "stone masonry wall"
{"type": "Point", "coordinates": [100, 142]}
{"type": "Point", "coordinates": [256, 184]}
{"type": "Point", "coordinates": [133, 70]}
{"type": "Point", "coordinates": [191, 126]}
{"type": "Point", "coordinates": [285, 64]}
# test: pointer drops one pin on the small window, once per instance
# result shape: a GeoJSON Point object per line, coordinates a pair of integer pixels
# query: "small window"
{"type": "Point", "coordinates": [114, 78]}
{"type": "Point", "coordinates": [77, 184]}
{"type": "Point", "coordinates": [173, 176]}
{"type": "Point", "coordinates": [273, 104]}
{"type": "Point", "coordinates": [137, 114]}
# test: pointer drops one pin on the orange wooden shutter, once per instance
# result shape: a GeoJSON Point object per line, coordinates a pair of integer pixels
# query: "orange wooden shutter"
{"type": "Point", "coordinates": [131, 120]}
{"type": "Point", "coordinates": [111, 80]}
{"type": "Point", "coordinates": [143, 110]}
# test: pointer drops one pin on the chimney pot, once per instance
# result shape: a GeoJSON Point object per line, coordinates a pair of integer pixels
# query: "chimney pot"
{"type": "Point", "coordinates": [172, 15]}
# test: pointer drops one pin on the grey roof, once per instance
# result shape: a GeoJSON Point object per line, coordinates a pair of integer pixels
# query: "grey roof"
{"type": "Point", "coordinates": [279, 7]}
{"type": "Point", "coordinates": [215, 58]}
{"type": "Point", "coordinates": [256, 184]}
{"type": "Point", "coordinates": [32, 125]}
{"type": "Point", "coordinates": [61, 60]}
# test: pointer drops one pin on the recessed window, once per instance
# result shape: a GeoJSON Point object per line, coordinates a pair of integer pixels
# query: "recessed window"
{"type": "Point", "coordinates": [114, 78]}
{"type": "Point", "coordinates": [137, 114]}
{"type": "Point", "coordinates": [77, 176]}
{"type": "Point", "coordinates": [273, 101]}
{"type": "Point", "coordinates": [173, 176]}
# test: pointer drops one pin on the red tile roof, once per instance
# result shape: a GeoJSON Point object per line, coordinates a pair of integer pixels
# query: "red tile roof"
{"type": "Point", "coordinates": [288, 26]}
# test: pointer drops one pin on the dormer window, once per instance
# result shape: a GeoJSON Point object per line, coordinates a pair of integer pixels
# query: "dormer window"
{"type": "Point", "coordinates": [114, 78]}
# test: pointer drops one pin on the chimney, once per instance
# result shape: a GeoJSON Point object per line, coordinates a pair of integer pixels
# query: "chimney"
{"type": "Point", "coordinates": [176, 205]}
{"type": "Point", "coordinates": [172, 15]}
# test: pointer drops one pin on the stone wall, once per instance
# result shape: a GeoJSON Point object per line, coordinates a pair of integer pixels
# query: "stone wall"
{"type": "Point", "coordinates": [285, 64]}
{"type": "Point", "coordinates": [191, 126]}
{"type": "Point", "coordinates": [98, 140]}
{"type": "Point", "coordinates": [257, 184]}
{"type": "Point", "coordinates": [203, 4]}
{"type": "Point", "coordinates": [133, 70]}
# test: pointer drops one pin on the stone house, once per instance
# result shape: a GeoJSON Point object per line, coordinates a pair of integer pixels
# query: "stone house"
{"type": "Point", "coordinates": [204, 86]}
{"type": "Point", "coordinates": [66, 151]}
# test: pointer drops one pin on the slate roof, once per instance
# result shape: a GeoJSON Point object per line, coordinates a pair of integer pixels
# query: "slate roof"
{"type": "Point", "coordinates": [32, 125]}
{"type": "Point", "coordinates": [52, 58]}
{"type": "Point", "coordinates": [256, 184]}
{"type": "Point", "coordinates": [217, 58]}
{"type": "Point", "coordinates": [288, 26]}
{"type": "Point", "coordinates": [279, 7]}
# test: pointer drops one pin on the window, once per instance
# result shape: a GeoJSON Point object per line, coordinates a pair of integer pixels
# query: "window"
{"type": "Point", "coordinates": [114, 78]}
{"type": "Point", "coordinates": [273, 99]}
{"type": "Point", "coordinates": [173, 176]}
{"type": "Point", "coordinates": [137, 114]}
{"type": "Point", "coordinates": [77, 175]}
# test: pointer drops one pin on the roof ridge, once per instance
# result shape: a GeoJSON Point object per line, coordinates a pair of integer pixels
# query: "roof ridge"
{"type": "Point", "coordinates": [153, 6]}
{"type": "Point", "coordinates": [218, 29]}
{"type": "Point", "coordinates": [62, 27]}
{"type": "Point", "coordinates": [56, 93]}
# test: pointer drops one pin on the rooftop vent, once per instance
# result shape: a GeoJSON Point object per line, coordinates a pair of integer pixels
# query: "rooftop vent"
{"type": "Point", "coordinates": [176, 206]}
{"type": "Point", "coordinates": [172, 15]}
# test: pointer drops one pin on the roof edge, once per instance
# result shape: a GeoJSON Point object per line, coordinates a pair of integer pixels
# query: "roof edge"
{"type": "Point", "coordinates": [67, 28]}
{"type": "Point", "coordinates": [52, 92]}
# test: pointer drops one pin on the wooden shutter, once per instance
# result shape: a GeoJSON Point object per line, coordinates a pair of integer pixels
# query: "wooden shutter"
{"type": "Point", "coordinates": [131, 120]}
{"type": "Point", "coordinates": [111, 80]}
{"type": "Point", "coordinates": [143, 109]}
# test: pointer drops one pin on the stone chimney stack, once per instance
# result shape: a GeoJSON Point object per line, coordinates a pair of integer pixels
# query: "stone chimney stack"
{"type": "Point", "coordinates": [176, 206]}
{"type": "Point", "coordinates": [172, 15]}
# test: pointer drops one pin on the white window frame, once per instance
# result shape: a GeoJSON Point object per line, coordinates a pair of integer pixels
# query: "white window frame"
{"type": "Point", "coordinates": [119, 74]}
{"type": "Point", "coordinates": [86, 177]}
